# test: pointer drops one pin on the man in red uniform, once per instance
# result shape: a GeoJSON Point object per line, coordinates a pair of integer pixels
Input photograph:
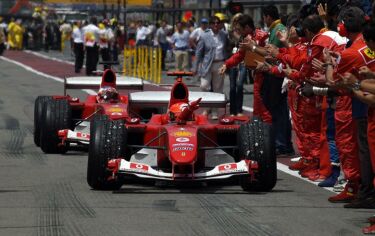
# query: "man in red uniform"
{"type": "Point", "coordinates": [246, 29]}
{"type": "Point", "coordinates": [319, 38]}
{"type": "Point", "coordinates": [346, 131]}
{"type": "Point", "coordinates": [304, 113]}
{"type": "Point", "coordinates": [363, 87]}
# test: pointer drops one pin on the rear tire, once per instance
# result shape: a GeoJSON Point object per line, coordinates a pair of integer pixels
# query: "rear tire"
{"type": "Point", "coordinates": [57, 115]}
{"type": "Point", "coordinates": [107, 141]}
{"type": "Point", "coordinates": [38, 116]}
{"type": "Point", "coordinates": [256, 143]}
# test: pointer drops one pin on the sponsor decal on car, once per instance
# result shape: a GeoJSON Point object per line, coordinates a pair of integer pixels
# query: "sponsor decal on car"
{"type": "Point", "coordinates": [115, 109]}
{"type": "Point", "coordinates": [182, 149]}
{"type": "Point", "coordinates": [82, 135]}
{"type": "Point", "coordinates": [227, 167]}
{"type": "Point", "coordinates": [139, 167]}
{"type": "Point", "coordinates": [182, 140]}
{"type": "Point", "coordinates": [182, 133]}
{"type": "Point", "coordinates": [183, 144]}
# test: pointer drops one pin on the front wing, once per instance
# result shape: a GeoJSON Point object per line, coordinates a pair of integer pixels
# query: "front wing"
{"type": "Point", "coordinates": [222, 171]}
{"type": "Point", "coordinates": [70, 136]}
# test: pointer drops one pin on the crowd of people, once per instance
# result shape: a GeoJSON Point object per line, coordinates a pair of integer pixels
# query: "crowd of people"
{"type": "Point", "coordinates": [323, 57]}
{"type": "Point", "coordinates": [317, 64]}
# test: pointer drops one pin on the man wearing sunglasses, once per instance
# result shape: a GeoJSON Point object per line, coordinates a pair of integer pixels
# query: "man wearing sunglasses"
{"type": "Point", "coordinates": [210, 55]}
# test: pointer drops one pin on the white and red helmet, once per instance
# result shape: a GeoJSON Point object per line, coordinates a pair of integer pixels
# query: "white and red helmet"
{"type": "Point", "coordinates": [107, 94]}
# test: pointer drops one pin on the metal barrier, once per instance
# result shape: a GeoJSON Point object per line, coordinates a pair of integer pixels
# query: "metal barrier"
{"type": "Point", "coordinates": [143, 62]}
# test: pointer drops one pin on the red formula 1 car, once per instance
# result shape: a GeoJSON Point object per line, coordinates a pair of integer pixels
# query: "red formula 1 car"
{"type": "Point", "coordinates": [62, 120]}
{"type": "Point", "coordinates": [180, 145]}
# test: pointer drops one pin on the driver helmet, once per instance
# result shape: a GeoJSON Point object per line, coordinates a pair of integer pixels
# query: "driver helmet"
{"type": "Point", "coordinates": [107, 94]}
{"type": "Point", "coordinates": [176, 109]}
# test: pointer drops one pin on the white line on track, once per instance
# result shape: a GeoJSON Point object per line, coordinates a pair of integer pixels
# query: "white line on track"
{"type": "Point", "coordinates": [249, 109]}
{"type": "Point", "coordinates": [280, 166]}
{"type": "Point", "coordinates": [48, 57]}
{"type": "Point", "coordinates": [28, 68]}
{"type": "Point", "coordinates": [285, 169]}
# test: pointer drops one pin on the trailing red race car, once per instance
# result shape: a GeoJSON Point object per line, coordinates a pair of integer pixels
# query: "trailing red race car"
{"type": "Point", "coordinates": [180, 145]}
{"type": "Point", "coordinates": [62, 120]}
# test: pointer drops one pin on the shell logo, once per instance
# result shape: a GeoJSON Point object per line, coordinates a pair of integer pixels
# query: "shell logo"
{"type": "Point", "coordinates": [182, 133]}
{"type": "Point", "coordinates": [115, 110]}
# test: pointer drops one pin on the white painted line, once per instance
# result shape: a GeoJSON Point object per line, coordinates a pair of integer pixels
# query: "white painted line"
{"type": "Point", "coordinates": [48, 57]}
{"type": "Point", "coordinates": [249, 109]}
{"type": "Point", "coordinates": [28, 68]}
{"type": "Point", "coordinates": [285, 169]}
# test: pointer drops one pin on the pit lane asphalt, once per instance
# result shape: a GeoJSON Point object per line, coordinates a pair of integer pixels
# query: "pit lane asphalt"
{"type": "Point", "coordinates": [48, 195]}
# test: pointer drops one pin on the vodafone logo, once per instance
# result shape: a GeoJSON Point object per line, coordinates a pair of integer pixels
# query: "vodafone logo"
{"type": "Point", "coordinates": [227, 167]}
{"type": "Point", "coordinates": [82, 135]}
{"type": "Point", "coordinates": [139, 167]}
{"type": "Point", "coordinates": [182, 140]}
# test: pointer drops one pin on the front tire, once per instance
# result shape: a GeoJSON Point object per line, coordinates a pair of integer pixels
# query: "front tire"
{"type": "Point", "coordinates": [57, 115]}
{"type": "Point", "coordinates": [40, 101]}
{"type": "Point", "coordinates": [107, 141]}
{"type": "Point", "coordinates": [256, 143]}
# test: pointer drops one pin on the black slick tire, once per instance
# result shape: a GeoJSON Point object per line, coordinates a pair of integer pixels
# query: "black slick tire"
{"type": "Point", "coordinates": [107, 141]}
{"type": "Point", "coordinates": [57, 115]}
{"type": "Point", "coordinates": [256, 143]}
{"type": "Point", "coordinates": [38, 115]}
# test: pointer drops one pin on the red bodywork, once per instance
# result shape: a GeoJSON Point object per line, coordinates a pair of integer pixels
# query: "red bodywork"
{"type": "Point", "coordinates": [85, 110]}
{"type": "Point", "coordinates": [182, 141]}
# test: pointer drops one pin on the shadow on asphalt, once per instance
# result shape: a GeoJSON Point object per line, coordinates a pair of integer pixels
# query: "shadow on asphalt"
{"type": "Point", "coordinates": [162, 187]}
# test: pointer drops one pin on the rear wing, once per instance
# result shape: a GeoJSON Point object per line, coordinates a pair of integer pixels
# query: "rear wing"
{"type": "Point", "coordinates": [93, 82]}
{"type": "Point", "coordinates": [162, 98]}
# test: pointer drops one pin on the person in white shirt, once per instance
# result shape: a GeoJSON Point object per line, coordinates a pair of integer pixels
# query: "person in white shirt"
{"type": "Point", "coordinates": [77, 38]}
{"type": "Point", "coordinates": [180, 44]}
{"type": "Point", "coordinates": [161, 41]}
{"type": "Point", "coordinates": [91, 40]}
{"type": "Point", "coordinates": [106, 36]}
{"type": "Point", "coordinates": [142, 33]}
{"type": "Point", "coordinates": [194, 36]}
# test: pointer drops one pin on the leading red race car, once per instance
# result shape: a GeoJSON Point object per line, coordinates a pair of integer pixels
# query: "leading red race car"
{"type": "Point", "coordinates": [62, 120]}
{"type": "Point", "coordinates": [180, 145]}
